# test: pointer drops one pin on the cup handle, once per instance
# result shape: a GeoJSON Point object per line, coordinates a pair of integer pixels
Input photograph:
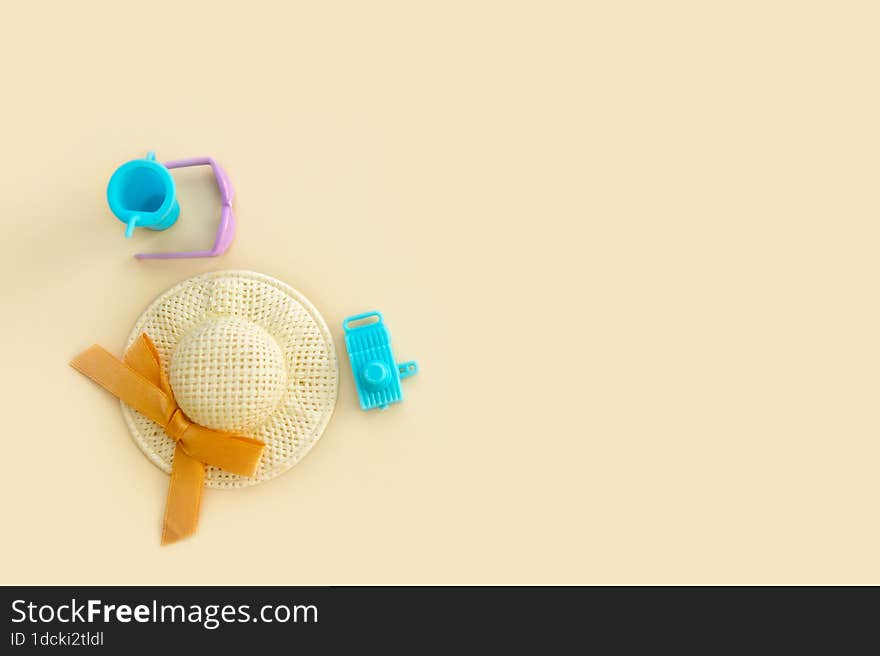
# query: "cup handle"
{"type": "Point", "coordinates": [130, 226]}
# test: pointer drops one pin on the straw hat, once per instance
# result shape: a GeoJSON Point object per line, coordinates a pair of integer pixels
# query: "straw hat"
{"type": "Point", "coordinates": [244, 353]}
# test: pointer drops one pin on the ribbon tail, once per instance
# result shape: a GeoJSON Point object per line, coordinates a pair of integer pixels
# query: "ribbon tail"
{"type": "Point", "coordinates": [184, 497]}
{"type": "Point", "coordinates": [125, 383]}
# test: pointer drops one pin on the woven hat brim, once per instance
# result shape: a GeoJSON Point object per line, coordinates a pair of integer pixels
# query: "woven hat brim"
{"type": "Point", "coordinates": [305, 341]}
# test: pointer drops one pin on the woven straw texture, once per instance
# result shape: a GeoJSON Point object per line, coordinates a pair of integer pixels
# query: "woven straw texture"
{"type": "Point", "coordinates": [245, 353]}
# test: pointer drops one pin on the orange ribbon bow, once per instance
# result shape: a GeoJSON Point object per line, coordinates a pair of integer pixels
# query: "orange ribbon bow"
{"type": "Point", "coordinates": [141, 383]}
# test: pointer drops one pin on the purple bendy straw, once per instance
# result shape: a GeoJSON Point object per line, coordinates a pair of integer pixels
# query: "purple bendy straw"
{"type": "Point", "coordinates": [226, 229]}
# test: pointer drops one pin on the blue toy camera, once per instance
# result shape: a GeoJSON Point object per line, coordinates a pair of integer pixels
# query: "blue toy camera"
{"type": "Point", "coordinates": [376, 374]}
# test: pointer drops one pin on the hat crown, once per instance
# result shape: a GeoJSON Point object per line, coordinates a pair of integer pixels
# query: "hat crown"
{"type": "Point", "coordinates": [228, 374]}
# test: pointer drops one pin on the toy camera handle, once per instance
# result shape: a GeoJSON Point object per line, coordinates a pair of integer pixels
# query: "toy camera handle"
{"type": "Point", "coordinates": [346, 325]}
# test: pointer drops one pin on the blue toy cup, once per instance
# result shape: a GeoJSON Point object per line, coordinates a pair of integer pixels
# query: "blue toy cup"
{"type": "Point", "coordinates": [141, 194]}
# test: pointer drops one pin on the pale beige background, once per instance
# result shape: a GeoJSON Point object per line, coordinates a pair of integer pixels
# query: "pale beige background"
{"type": "Point", "coordinates": [633, 245]}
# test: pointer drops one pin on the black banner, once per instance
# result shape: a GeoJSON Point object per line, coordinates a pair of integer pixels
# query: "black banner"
{"type": "Point", "coordinates": [417, 619]}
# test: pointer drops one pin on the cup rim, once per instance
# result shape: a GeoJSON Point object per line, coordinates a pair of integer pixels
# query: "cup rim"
{"type": "Point", "coordinates": [113, 197]}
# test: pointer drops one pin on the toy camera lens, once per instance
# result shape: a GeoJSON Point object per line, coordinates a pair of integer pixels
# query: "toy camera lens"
{"type": "Point", "coordinates": [376, 374]}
